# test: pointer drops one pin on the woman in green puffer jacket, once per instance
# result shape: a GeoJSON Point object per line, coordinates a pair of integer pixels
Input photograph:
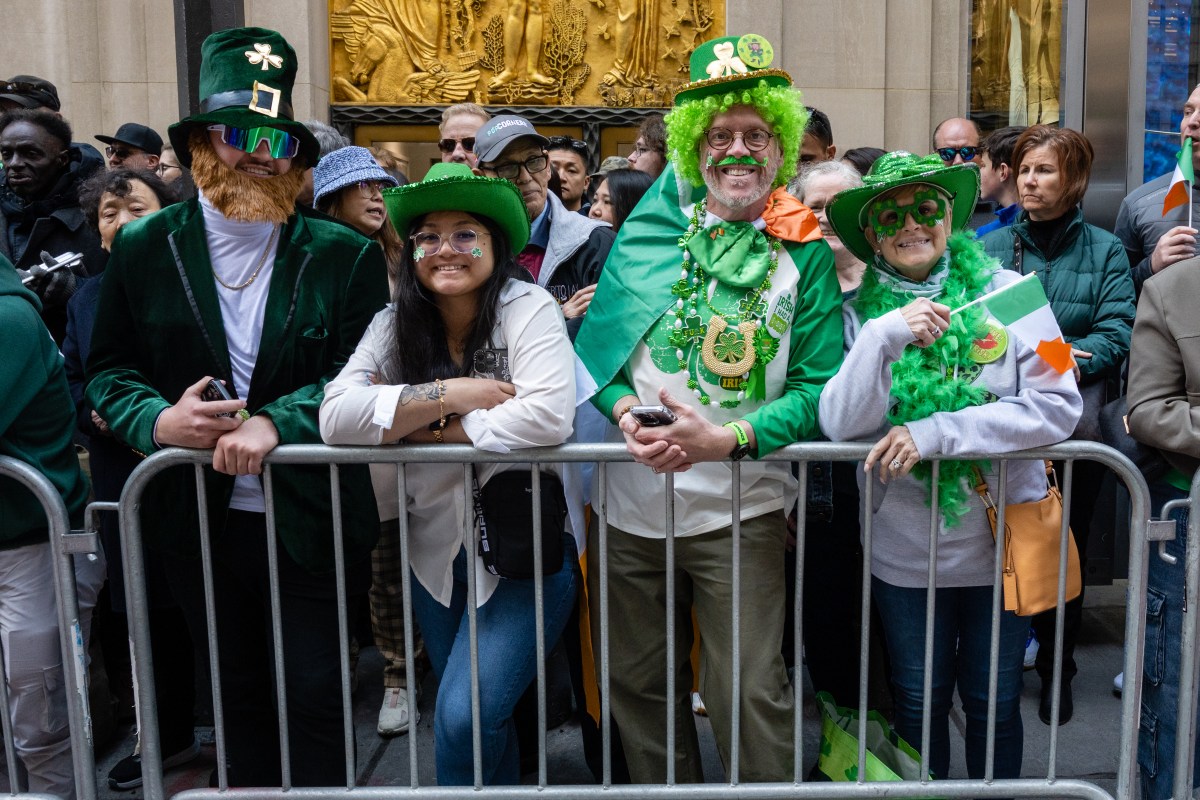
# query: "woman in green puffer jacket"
{"type": "Point", "coordinates": [1085, 273]}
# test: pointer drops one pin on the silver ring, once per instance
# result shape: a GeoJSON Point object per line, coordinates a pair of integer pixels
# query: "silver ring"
{"type": "Point", "coordinates": [896, 464]}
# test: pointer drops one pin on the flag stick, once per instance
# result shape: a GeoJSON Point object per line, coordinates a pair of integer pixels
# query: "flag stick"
{"type": "Point", "coordinates": [977, 300]}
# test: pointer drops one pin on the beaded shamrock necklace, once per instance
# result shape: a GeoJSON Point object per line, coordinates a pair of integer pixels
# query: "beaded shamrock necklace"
{"type": "Point", "coordinates": [939, 377]}
{"type": "Point", "coordinates": [736, 347]}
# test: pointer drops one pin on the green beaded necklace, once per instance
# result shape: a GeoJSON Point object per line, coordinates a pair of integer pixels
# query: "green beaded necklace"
{"type": "Point", "coordinates": [734, 340]}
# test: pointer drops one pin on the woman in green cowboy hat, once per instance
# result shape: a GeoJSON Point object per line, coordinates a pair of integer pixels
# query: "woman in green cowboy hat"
{"type": "Point", "coordinates": [467, 353]}
{"type": "Point", "coordinates": [921, 379]}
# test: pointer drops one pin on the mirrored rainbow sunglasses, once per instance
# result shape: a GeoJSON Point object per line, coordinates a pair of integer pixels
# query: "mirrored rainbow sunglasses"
{"type": "Point", "coordinates": [281, 144]}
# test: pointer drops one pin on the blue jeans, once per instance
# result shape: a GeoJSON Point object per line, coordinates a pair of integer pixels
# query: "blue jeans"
{"type": "Point", "coordinates": [507, 665]}
{"type": "Point", "coordinates": [961, 653]}
{"type": "Point", "coordinates": [1160, 681]}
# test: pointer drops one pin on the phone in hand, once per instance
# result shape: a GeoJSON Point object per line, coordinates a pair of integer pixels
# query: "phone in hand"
{"type": "Point", "coordinates": [214, 391]}
{"type": "Point", "coordinates": [652, 416]}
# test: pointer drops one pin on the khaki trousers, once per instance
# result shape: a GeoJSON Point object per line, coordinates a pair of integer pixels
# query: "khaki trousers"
{"type": "Point", "coordinates": [637, 602]}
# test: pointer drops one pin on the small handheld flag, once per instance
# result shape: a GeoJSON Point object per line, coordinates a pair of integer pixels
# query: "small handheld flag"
{"type": "Point", "coordinates": [1023, 309]}
{"type": "Point", "coordinates": [1181, 182]}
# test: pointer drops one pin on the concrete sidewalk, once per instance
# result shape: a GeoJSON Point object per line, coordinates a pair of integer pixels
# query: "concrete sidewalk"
{"type": "Point", "coordinates": [1087, 746]}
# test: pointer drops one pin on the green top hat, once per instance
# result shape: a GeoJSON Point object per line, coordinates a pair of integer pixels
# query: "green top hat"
{"type": "Point", "coordinates": [847, 211]}
{"type": "Point", "coordinates": [246, 79]}
{"type": "Point", "coordinates": [453, 187]}
{"type": "Point", "coordinates": [729, 64]}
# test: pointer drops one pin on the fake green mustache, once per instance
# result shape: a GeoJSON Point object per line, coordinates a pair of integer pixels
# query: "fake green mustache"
{"type": "Point", "coordinates": [748, 161]}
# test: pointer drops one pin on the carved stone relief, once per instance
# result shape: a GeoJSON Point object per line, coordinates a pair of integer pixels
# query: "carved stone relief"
{"type": "Point", "coordinates": [615, 53]}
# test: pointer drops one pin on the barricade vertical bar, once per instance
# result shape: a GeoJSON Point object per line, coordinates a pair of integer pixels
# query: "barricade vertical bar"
{"type": "Point", "coordinates": [1185, 729]}
{"type": "Point", "coordinates": [930, 608]}
{"type": "Point", "coordinates": [600, 507]}
{"type": "Point", "coordinates": [539, 614]}
{"type": "Point", "coordinates": [1135, 624]}
{"type": "Point", "coordinates": [339, 566]}
{"type": "Point", "coordinates": [801, 506]}
{"type": "Point", "coordinates": [10, 749]}
{"type": "Point", "coordinates": [473, 625]}
{"type": "Point", "coordinates": [864, 638]}
{"type": "Point", "coordinates": [989, 768]}
{"type": "Point", "coordinates": [670, 587]}
{"type": "Point", "coordinates": [1059, 615]}
{"type": "Point", "coordinates": [285, 745]}
{"type": "Point", "coordinates": [736, 631]}
{"type": "Point", "coordinates": [406, 593]}
{"type": "Point", "coordinates": [214, 660]}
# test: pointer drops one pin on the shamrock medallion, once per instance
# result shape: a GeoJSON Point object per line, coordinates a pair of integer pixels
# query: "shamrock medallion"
{"type": "Point", "coordinates": [261, 54]}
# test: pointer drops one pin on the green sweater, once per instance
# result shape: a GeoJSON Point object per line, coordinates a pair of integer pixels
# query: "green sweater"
{"type": "Point", "coordinates": [36, 418]}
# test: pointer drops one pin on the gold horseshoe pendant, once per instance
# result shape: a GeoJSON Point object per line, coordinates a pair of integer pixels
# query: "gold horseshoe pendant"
{"type": "Point", "coordinates": [728, 369]}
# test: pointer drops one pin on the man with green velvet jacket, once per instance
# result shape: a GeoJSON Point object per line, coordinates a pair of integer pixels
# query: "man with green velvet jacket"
{"type": "Point", "coordinates": [241, 287]}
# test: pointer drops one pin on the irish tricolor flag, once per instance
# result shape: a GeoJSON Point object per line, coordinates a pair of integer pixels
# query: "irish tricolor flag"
{"type": "Point", "coordinates": [1181, 182]}
{"type": "Point", "coordinates": [1023, 309]}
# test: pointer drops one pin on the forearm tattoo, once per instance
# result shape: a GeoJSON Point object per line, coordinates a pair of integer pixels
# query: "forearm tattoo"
{"type": "Point", "coordinates": [422, 391]}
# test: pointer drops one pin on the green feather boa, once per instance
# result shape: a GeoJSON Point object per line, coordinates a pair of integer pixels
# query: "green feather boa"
{"type": "Point", "coordinates": [926, 380]}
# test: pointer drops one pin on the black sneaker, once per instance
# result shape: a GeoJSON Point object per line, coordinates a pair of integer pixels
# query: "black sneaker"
{"type": "Point", "coordinates": [127, 773]}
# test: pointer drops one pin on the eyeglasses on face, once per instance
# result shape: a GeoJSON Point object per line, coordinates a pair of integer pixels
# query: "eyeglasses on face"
{"type": "Point", "coordinates": [281, 144]}
{"type": "Point", "coordinates": [947, 154]}
{"type": "Point", "coordinates": [568, 143]}
{"type": "Point", "coordinates": [428, 243]}
{"type": "Point", "coordinates": [447, 145]}
{"type": "Point", "coordinates": [162, 168]}
{"type": "Point", "coordinates": [119, 152]}
{"type": "Point", "coordinates": [509, 170]}
{"type": "Point", "coordinates": [755, 139]}
{"type": "Point", "coordinates": [369, 189]}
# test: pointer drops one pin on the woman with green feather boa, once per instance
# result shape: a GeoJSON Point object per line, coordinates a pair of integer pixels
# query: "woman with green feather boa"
{"type": "Point", "coordinates": [923, 379]}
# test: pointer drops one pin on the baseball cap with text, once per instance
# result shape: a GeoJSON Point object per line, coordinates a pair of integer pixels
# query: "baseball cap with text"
{"type": "Point", "coordinates": [501, 131]}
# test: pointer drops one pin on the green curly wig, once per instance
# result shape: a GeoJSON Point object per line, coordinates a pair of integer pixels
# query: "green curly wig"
{"type": "Point", "coordinates": [780, 107]}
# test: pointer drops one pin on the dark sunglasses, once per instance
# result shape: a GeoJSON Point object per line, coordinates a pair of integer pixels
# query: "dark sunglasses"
{"type": "Point", "coordinates": [568, 143]}
{"type": "Point", "coordinates": [120, 152]}
{"type": "Point", "coordinates": [947, 154]}
{"type": "Point", "coordinates": [447, 145]}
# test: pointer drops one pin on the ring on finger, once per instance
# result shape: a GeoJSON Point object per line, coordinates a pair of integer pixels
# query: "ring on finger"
{"type": "Point", "coordinates": [896, 464]}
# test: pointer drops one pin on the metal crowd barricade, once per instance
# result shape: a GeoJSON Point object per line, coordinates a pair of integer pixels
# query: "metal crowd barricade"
{"type": "Point", "coordinates": [603, 455]}
{"type": "Point", "coordinates": [64, 544]}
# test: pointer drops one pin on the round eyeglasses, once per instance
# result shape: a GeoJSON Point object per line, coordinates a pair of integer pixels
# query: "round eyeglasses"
{"type": "Point", "coordinates": [369, 189]}
{"type": "Point", "coordinates": [427, 243]}
{"type": "Point", "coordinates": [755, 139]}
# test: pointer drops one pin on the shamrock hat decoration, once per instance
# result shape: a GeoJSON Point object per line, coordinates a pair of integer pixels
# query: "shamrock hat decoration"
{"type": "Point", "coordinates": [731, 63]}
{"type": "Point", "coordinates": [246, 80]}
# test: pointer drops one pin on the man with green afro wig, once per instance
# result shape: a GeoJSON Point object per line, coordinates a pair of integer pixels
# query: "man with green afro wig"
{"type": "Point", "coordinates": [719, 307]}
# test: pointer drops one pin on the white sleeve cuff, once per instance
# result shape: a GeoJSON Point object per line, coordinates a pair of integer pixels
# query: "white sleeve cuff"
{"type": "Point", "coordinates": [385, 405]}
{"type": "Point", "coordinates": [475, 426]}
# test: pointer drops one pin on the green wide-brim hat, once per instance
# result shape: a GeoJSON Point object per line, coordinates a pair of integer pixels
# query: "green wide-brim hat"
{"type": "Point", "coordinates": [729, 64]}
{"type": "Point", "coordinates": [453, 187]}
{"type": "Point", "coordinates": [847, 211]}
{"type": "Point", "coordinates": [246, 80]}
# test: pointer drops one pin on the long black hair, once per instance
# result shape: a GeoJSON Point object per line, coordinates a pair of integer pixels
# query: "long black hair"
{"type": "Point", "coordinates": [419, 352]}
{"type": "Point", "coordinates": [625, 189]}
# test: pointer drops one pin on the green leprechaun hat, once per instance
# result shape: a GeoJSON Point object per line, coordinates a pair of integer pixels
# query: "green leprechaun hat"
{"type": "Point", "coordinates": [847, 211]}
{"type": "Point", "coordinates": [246, 79]}
{"type": "Point", "coordinates": [731, 63]}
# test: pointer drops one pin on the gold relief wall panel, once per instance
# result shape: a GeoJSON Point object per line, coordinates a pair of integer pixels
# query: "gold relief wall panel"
{"type": "Point", "coordinates": [616, 53]}
{"type": "Point", "coordinates": [1016, 55]}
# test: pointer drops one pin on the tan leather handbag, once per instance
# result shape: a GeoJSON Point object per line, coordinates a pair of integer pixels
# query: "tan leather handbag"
{"type": "Point", "coordinates": [1032, 541]}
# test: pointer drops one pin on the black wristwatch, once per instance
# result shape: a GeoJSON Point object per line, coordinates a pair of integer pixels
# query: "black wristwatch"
{"type": "Point", "coordinates": [742, 448]}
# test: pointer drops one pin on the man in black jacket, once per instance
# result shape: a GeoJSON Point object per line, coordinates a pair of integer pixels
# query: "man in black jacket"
{"type": "Point", "coordinates": [39, 208]}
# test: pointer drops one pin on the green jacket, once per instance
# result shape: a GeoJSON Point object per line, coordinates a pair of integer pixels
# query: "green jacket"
{"type": "Point", "coordinates": [159, 330]}
{"type": "Point", "coordinates": [37, 416]}
{"type": "Point", "coordinates": [1088, 283]}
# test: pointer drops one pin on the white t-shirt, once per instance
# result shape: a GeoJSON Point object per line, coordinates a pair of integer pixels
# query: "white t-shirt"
{"type": "Point", "coordinates": [236, 249]}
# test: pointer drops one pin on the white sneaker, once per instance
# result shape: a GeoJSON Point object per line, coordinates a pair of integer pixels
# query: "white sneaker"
{"type": "Point", "coordinates": [1031, 650]}
{"type": "Point", "coordinates": [394, 713]}
{"type": "Point", "coordinates": [1119, 684]}
{"type": "Point", "coordinates": [698, 705]}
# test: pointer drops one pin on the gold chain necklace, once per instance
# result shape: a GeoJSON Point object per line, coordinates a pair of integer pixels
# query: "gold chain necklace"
{"type": "Point", "coordinates": [258, 269]}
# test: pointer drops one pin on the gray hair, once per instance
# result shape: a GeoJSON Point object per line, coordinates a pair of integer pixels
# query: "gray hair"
{"type": "Point", "coordinates": [328, 137]}
{"type": "Point", "coordinates": [837, 169]}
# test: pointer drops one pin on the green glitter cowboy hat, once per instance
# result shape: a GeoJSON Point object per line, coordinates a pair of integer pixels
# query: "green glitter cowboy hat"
{"type": "Point", "coordinates": [730, 64]}
{"type": "Point", "coordinates": [847, 211]}
{"type": "Point", "coordinates": [246, 80]}
{"type": "Point", "coordinates": [453, 187]}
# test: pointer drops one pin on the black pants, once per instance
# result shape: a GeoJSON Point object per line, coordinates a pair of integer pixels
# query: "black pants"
{"type": "Point", "coordinates": [311, 656]}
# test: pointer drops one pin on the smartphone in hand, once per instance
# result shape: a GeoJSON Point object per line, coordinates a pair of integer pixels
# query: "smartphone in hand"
{"type": "Point", "coordinates": [652, 416]}
{"type": "Point", "coordinates": [215, 391]}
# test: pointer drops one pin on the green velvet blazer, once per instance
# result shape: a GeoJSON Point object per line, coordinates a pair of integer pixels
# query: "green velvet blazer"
{"type": "Point", "coordinates": [159, 330]}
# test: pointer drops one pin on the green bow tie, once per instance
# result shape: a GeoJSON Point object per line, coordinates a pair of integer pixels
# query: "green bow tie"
{"type": "Point", "coordinates": [734, 253]}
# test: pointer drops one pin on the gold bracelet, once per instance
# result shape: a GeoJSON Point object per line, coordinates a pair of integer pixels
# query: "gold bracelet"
{"type": "Point", "coordinates": [441, 389]}
{"type": "Point", "coordinates": [625, 411]}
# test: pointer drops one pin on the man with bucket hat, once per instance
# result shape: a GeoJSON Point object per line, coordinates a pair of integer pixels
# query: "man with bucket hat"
{"type": "Point", "coordinates": [240, 287]}
{"type": "Point", "coordinates": [720, 303]}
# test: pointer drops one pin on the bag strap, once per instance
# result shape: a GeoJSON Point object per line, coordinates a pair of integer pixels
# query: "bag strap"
{"type": "Point", "coordinates": [981, 488]}
{"type": "Point", "coordinates": [485, 544]}
{"type": "Point", "coordinates": [1018, 253]}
